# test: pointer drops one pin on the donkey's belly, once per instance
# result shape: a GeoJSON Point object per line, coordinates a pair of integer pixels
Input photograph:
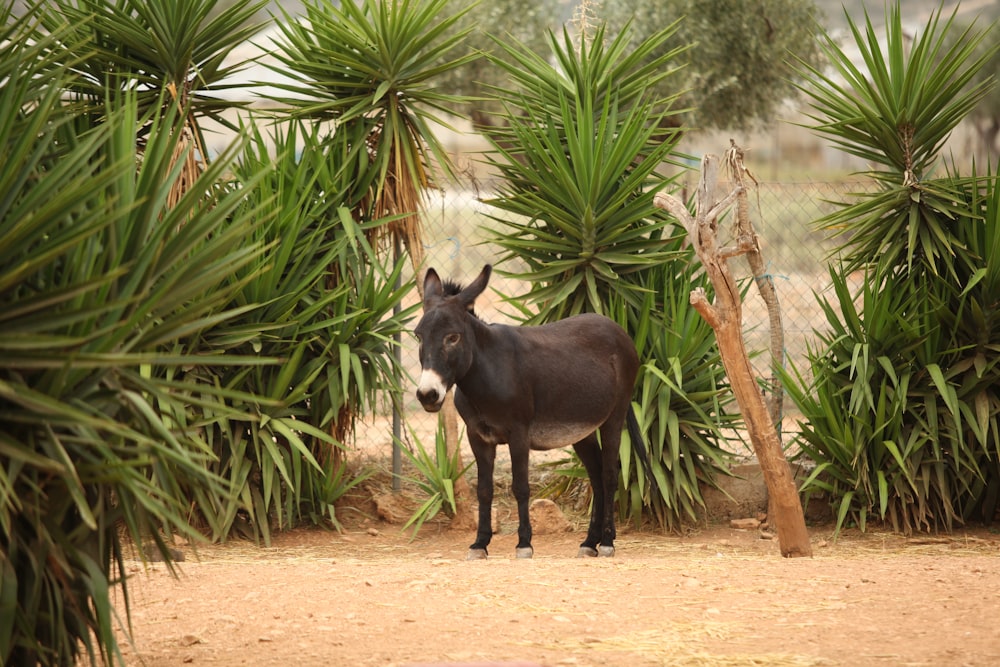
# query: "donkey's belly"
{"type": "Point", "coordinates": [552, 435]}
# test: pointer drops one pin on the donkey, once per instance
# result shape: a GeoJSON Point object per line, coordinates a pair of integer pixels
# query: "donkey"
{"type": "Point", "coordinates": [531, 387]}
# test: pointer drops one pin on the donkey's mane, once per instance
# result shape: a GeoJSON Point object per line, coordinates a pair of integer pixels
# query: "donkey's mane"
{"type": "Point", "coordinates": [451, 288]}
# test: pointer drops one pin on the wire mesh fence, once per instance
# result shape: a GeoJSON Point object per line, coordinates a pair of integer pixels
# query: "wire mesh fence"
{"type": "Point", "coordinates": [456, 237]}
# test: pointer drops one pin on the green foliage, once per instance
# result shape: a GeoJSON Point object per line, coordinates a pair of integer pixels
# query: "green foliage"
{"type": "Point", "coordinates": [900, 413]}
{"type": "Point", "coordinates": [682, 401]}
{"type": "Point", "coordinates": [375, 64]}
{"type": "Point", "coordinates": [579, 161]}
{"type": "Point", "coordinates": [897, 113]}
{"type": "Point", "coordinates": [736, 73]}
{"type": "Point", "coordinates": [171, 360]}
{"type": "Point", "coordinates": [327, 311]}
{"type": "Point", "coordinates": [438, 473]}
{"type": "Point", "coordinates": [178, 50]}
{"type": "Point", "coordinates": [100, 283]}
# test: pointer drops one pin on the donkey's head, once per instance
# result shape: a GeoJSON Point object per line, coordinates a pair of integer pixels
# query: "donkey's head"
{"type": "Point", "coordinates": [447, 340]}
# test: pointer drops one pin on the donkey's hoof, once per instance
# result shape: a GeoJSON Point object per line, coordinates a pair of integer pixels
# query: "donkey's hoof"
{"type": "Point", "coordinates": [476, 554]}
{"type": "Point", "coordinates": [524, 552]}
{"type": "Point", "coordinates": [605, 552]}
{"type": "Point", "coordinates": [586, 552]}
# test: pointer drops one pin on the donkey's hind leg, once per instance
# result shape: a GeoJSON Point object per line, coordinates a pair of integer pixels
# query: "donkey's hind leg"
{"type": "Point", "coordinates": [590, 455]}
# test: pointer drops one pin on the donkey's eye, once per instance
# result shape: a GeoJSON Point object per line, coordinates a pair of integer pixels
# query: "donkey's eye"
{"type": "Point", "coordinates": [452, 339]}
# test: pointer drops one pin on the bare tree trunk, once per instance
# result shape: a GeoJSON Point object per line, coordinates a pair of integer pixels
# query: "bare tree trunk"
{"type": "Point", "coordinates": [725, 317]}
{"type": "Point", "coordinates": [747, 236]}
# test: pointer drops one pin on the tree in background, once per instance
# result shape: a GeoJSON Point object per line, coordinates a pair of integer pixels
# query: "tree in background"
{"type": "Point", "coordinates": [523, 21]}
{"type": "Point", "coordinates": [985, 117]}
{"type": "Point", "coordinates": [736, 73]}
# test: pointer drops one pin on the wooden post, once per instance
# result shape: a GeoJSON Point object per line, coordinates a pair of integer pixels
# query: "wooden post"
{"type": "Point", "coordinates": [725, 317]}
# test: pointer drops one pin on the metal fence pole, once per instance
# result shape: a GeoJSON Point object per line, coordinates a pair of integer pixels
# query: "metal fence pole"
{"type": "Point", "coordinates": [397, 403]}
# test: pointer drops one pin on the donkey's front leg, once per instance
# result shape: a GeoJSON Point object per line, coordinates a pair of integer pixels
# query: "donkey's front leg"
{"type": "Point", "coordinates": [485, 455]}
{"type": "Point", "coordinates": [519, 485]}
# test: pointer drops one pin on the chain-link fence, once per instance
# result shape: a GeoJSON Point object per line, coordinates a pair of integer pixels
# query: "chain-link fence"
{"type": "Point", "coordinates": [456, 242]}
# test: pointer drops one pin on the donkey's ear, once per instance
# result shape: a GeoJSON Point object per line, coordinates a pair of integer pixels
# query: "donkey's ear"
{"type": "Point", "coordinates": [433, 290]}
{"type": "Point", "coordinates": [467, 297]}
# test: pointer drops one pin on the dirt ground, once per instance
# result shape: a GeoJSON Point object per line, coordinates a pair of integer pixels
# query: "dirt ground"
{"type": "Point", "coordinates": [714, 596]}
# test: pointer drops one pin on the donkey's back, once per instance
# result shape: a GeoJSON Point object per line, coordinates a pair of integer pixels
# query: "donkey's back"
{"type": "Point", "coordinates": [571, 375]}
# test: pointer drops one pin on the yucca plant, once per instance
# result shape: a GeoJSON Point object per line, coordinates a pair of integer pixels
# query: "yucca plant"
{"type": "Point", "coordinates": [900, 416]}
{"type": "Point", "coordinates": [100, 281]}
{"type": "Point", "coordinates": [371, 67]}
{"type": "Point", "coordinates": [863, 411]}
{"type": "Point", "coordinates": [896, 112]}
{"type": "Point", "coordinates": [682, 399]}
{"type": "Point", "coordinates": [165, 53]}
{"type": "Point", "coordinates": [438, 471]}
{"type": "Point", "coordinates": [277, 445]}
{"type": "Point", "coordinates": [579, 155]}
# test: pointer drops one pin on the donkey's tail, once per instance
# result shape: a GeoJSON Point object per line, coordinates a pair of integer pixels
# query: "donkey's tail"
{"type": "Point", "coordinates": [638, 443]}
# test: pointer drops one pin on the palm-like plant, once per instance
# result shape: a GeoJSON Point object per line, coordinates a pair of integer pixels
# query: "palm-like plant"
{"type": "Point", "coordinates": [579, 156]}
{"type": "Point", "coordinates": [101, 281]}
{"type": "Point", "coordinates": [682, 397]}
{"type": "Point", "coordinates": [164, 53]}
{"type": "Point", "coordinates": [901, 413]}
{"type": "Point", "coordinates": [897, 112]}
{"type": "Point", "coordinates": [371, 66]}
{"type": "Point", "coordinates": [278, 440]}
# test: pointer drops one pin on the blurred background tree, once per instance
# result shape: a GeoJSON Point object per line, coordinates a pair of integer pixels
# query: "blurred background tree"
{"type": "Point", "coordinates": [735, 75]}
{"type": "Point", "coordinates": [985, 117]}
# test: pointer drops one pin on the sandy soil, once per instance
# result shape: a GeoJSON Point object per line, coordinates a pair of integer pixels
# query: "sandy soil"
{"type": "Point", "coordinates": [715, 596]}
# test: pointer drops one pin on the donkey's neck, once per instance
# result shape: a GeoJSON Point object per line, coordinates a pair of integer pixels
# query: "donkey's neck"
{"type": "Point", "coordinates": [494, 360]}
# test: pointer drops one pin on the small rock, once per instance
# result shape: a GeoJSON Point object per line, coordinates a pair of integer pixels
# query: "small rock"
{"type": "Point", "coordinates": [373, 532]}
{"type": "Point", "coordinates": [745, 524]}
{"type": "Point", "coordinates": [547, 518]}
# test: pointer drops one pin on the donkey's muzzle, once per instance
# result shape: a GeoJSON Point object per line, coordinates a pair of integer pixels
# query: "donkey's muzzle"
{"type": "Point", "coordinates": [431, 391]}
{"type": "Point", "coordinates": [431, 399]}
